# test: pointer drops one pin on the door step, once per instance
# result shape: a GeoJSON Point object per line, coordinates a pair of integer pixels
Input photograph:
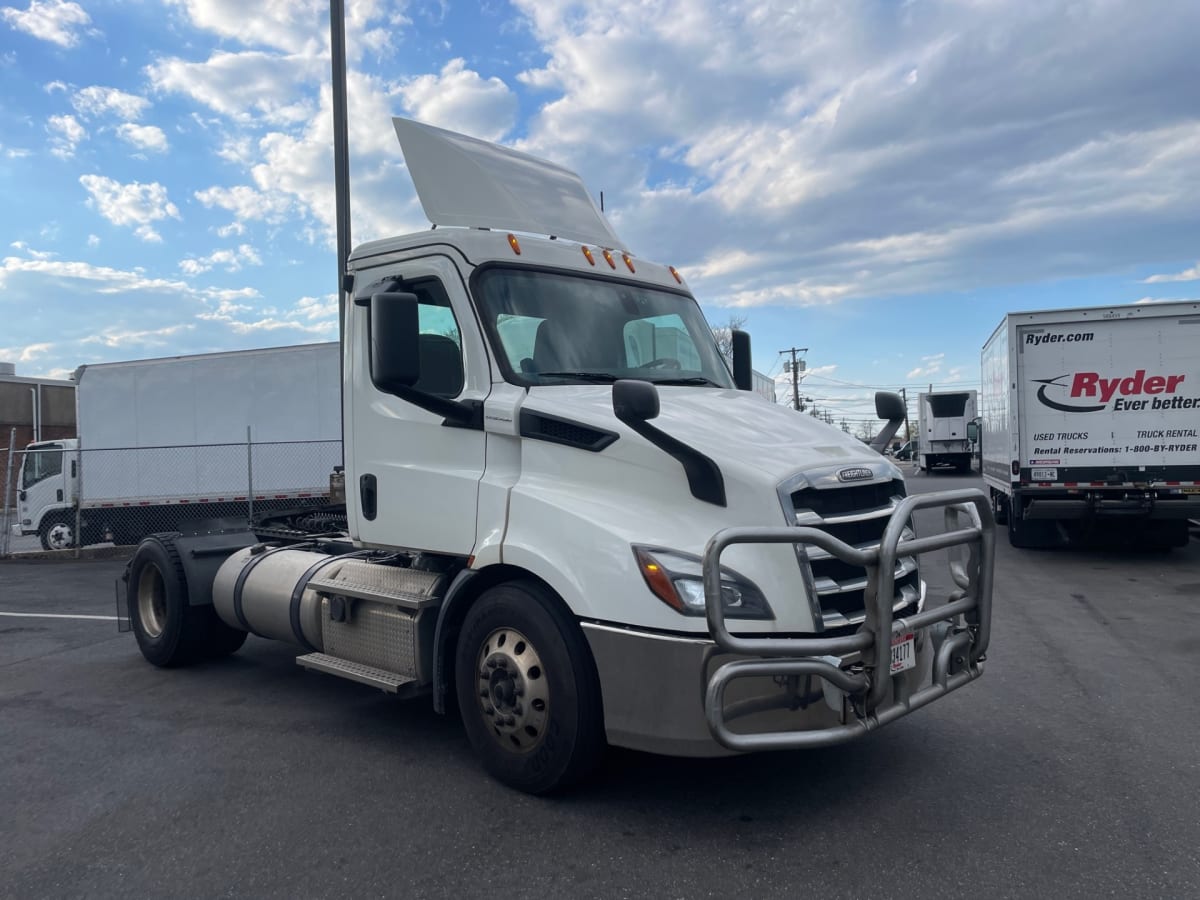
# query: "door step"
{"type": "Point", "coordinates": [386, 681]}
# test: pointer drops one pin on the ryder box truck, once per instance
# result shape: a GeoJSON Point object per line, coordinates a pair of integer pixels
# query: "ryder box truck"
{"type": "Point", "coordinates": [1090, 421]}
{"type": "Point", "coordinates": [567, 519]}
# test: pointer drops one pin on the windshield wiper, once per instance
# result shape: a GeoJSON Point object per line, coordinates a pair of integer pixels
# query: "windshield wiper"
{"type": "Point", "coordinates": [695, 379]}
{"type": "Point", "coordinates": [599, 377]}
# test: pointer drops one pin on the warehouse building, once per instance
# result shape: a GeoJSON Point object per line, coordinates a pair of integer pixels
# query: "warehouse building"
{"type": "Point", "coordinates": [32, 409]}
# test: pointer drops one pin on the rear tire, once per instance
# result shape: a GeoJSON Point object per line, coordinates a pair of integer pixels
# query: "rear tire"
{"type": "Point", "coordinates": [1026, 534]}
{"type": "Point", "coordinates": [171, 632]}
{"type": "Point", "coordinates": [527, 689]}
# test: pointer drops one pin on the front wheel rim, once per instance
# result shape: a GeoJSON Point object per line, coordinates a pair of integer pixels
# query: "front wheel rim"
{"type": "Point", "coordinates": [59, 536]}
{"type": "Point", "coordinates": [512, 690]}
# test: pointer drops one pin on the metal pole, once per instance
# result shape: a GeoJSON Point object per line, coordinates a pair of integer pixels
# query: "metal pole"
{"type": "Point", "coordinates": [249, 478]}
{"type": "Point", "coordinates": [907, 432]}
{"type": "Point", "coordinates": [341, 172]}
{"type": "Point", "coordinates": [12, 439]}
{"type": "Point", "coordinates": [78, 502]}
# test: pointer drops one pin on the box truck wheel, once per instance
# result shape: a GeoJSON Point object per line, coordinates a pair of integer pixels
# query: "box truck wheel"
{"type": "Point", "coordinates": [57, 533]}
{"type": "Point", "coordinates": [169, 631]}
{"type": "Point", "coordinates": [527, 689]}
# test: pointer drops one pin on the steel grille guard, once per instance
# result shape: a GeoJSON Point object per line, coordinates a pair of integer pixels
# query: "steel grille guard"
{"type": "Point", "coordinates": [965, 622]}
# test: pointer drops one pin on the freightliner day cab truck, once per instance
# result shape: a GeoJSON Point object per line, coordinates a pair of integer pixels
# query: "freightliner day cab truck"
{"type": "Point", "coordinates": [567, 519]}
{"type": "Point", "coordinates": [942, 420]}
{"type": "Point", "coordinates": [1091, 423]}
{"type": "Point", "coordinates": [163, 442]}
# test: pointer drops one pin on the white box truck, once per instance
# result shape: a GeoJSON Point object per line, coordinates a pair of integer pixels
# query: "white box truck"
{"type": "Point", "coordinates": [569, 520]}
{"type": "Point", "coordinates": [164, 441]}
{"type": "Point", "coordinates": [942, 420]}
{"type": "Point", "coordinates": [1090, 421]}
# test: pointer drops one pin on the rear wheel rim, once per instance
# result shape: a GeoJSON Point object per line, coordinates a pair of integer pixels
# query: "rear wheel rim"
{"type": "Point", "coordinates": [152, 601]}
{"type": "Point", "coordinates": [512, 691]}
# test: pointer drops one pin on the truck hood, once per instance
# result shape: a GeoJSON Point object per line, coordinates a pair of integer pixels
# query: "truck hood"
{"type": "Point", "coordinates": [742, 432]}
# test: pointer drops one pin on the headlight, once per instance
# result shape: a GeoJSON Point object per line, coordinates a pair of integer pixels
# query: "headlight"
{"type": "Point", "coordinates": [677, 580]}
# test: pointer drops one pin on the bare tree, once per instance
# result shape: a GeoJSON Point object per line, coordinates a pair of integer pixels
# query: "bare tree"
{"type": "Point", "coordinates": [724, 334]}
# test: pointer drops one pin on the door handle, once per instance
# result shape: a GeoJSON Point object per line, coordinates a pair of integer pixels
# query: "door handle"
{"type": "Point", "coordinates": [368, 495]}
{"type": "Point", "coordinates": [59, 492]}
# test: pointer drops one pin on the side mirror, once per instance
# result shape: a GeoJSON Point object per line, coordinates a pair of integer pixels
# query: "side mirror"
{"type": "Point", "coordinates": [395, 326]}
{"type": "Point", "coordinates": [973, 432]}
{"type": "Point", "coordinates": [634, 401]}
{"type": "Point", "coordinates": [743, 375]}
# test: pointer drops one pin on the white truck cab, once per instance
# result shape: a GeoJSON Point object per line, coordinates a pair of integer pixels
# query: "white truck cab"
{"type": "Point", "coordinates": [566, 514]}
{"type": "Point", "coordinates": [47, 491]}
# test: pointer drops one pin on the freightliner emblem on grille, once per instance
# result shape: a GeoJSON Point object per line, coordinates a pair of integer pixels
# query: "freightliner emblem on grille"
{"type": "Point", "coordinates": [856, 474]}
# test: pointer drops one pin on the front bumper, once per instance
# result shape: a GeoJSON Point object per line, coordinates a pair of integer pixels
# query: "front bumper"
{"type": "Point", "coordinates": [685, 696]}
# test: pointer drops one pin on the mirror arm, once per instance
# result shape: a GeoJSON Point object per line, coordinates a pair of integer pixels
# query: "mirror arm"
{"type": "Point", "coordinates": [457, 413]}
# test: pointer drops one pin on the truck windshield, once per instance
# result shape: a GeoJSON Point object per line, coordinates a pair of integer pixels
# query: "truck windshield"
{"type": "Point", "coordinates": [41, 464]}
{"type": "Point", "coordinates": [556, 328]}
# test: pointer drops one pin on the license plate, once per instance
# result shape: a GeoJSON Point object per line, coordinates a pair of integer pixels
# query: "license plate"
{"type": "Point", "coordinates": [904, 652]}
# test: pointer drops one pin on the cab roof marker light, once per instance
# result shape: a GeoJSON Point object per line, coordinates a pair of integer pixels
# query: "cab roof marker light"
{"type": "Point", "coordinates": [675, 274]}
{"type": "Point", "coordinates": [587, 254]}
{"type": "Point", "coordinates": [628, 262]}
{"type": "Point", "coordinates": [512, 242]}
{"type": "Point", "coordinates": [608, 258]}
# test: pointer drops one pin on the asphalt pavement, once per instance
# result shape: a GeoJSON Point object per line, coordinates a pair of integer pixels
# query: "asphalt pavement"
{"type": "Point", "coordinates": [1070, 769]}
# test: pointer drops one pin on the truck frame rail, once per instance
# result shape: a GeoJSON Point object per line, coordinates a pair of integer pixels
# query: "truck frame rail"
{"type": "Point", "coordinates": [961, 632]}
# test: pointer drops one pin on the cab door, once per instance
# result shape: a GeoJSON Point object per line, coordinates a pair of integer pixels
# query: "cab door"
{"type": "Point", "coordinates": [414, 479]}
{"type": "Point", "coordinates": [44, 484]}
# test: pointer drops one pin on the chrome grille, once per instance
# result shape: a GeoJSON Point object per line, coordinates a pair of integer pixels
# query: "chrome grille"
{"type": "Point", "coordinates": [856, 514]}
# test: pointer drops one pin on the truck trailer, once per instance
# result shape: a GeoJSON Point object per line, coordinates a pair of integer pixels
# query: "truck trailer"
{"type": "Point", "coordinates": [164, 441]}
{"type": "Point", "coordinates": [1090, 421]}
{"type": "Point", "coordinates": [942, 420]}
{"type": "Point", "coordinates": [568, 519]}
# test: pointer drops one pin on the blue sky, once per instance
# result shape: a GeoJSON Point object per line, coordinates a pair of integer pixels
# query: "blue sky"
{"type": "Point", "coordinates": [876, 181]}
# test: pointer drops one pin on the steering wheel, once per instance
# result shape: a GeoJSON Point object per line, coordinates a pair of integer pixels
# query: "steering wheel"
{"type": "Point", "coordinates": [663, 362]}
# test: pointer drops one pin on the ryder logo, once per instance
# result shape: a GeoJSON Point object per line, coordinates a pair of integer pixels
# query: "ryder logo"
{"type": "Point", "coordinates": [1120, 391]}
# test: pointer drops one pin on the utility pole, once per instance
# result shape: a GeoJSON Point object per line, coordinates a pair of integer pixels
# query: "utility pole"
{"type": "Point", "coordinates": [797, 366]}
{"type": "Point", "coordinates": [907, 433]}
{"type": "Point", "coordinates": [341, 164]}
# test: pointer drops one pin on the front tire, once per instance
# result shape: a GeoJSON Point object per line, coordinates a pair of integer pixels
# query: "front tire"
{"type": "Point", "coordinates": [57, 534]}
{"type": "Point", "coordinates": [527, 689]}
{"type": "Point", "coordinates": [171, 632]}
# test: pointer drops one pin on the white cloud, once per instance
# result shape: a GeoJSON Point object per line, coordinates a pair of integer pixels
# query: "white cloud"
{"type": "Point", "coordinates": [104, 280]}
{"type": "Point", "coordinates": [931, 365]}
{"type": "Point", "coordinates": [229, 260]}
{"type": "Point", "coordinates": [1145, 300]}
{"type": "Point", "coordinates": [133, 204]}
{"type": "Point", "coordinates": [248, 86]}
{"type": "Point", "coordinates": [461, 100]}
{"type": "Point", "coordinates": [1192, 274]}
{"type": "Point", "coordinates": [246, 204]}
{"type": "Point", "coordinates": [96, 100]}
{"type": "Point", "coordinates": [93, 240]}
{"type": "Point", "coordinates": [49, 20]}
{"type": "Point", "coordinates": [118, 337]}
{"type": "Point", "coordinates": [292, 25]}
{"type": "Point", "coordinates": [144, 137]}
{"type": "Point", "coordinates": [66, 134]}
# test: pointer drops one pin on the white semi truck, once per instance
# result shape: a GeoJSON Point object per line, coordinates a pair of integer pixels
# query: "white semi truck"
{"type": "Point", "coordinates": [164, 441]}
{"type": "Point", "coordinates": [566, 518]}
{"type": "Point", "coordinates": [942, 420]}
{"type": "Point", "coordinates": [1090, 423]}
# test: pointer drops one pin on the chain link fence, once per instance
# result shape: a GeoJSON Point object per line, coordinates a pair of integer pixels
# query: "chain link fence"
{"type": "Point", "coordinates": [59, 498]}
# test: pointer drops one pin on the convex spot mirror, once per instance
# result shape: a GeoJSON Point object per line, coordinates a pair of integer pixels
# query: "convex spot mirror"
{"type": "Point", "coordinates": [889, 406]}
{"type": "Point", "coordinates": [634, 401]}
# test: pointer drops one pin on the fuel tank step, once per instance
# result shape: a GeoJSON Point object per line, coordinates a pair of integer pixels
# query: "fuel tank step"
{"type": "Point", "coordinates": [386, 681]}
{"type": "Point", "coordinates": [363, 580]}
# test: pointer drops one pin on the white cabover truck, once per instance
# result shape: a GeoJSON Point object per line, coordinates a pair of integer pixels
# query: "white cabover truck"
{"type": "Point", "coordinates": [164, 441]}
{"type": "Point", "coordinates": [1090, 418]}
{"type": "Point", "coordinates": [567, 518]}
{"type": "Point", "coordinates": [942, 421]}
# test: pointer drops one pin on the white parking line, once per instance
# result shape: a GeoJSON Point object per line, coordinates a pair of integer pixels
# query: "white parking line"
{"type": "Point", "coordinates": [56, 616]}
